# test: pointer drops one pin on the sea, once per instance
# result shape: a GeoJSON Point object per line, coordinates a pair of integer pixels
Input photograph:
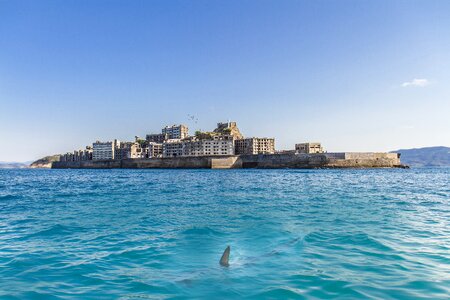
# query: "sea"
{"type": "Point", "coordinates": [159, 234]}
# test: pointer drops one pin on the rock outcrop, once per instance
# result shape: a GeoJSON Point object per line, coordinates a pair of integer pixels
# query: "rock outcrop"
{"type": "Point", "coordinates": [45, 162]}
{"type": "Point", "coordinates": [229, 128]}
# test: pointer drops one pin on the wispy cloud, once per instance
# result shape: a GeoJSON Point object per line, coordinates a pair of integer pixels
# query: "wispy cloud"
{"type": "Point", "coordinates": [423, 82]}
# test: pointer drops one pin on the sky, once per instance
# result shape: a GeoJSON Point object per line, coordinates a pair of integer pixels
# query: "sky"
{"type": "Point", "coordinates": [354, 75]}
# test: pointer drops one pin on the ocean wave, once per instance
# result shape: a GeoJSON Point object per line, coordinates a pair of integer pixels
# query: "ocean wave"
{"type": "Point", "coordinates": [201, 231]}
{"type": "Point", "coordinates": [56, 230]}
{"type": "Point", "coordinates": [9, 197]}
{"type": "Point", "coordinates": [278, 293]}
{"type": "Point", "coordinates": [346, 234]}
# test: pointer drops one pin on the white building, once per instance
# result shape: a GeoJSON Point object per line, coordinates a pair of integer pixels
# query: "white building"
{"type": "Point", "coordinates": [255, 146]}
{"type": "Point", "coordinates": [136, 151]}
{"type": "Point", "coordinates": [175, 131]}
{"type": "Point", "coordinates": [104, 150]}
{"type": "Point", "coordinates": [172, 148]}
{"type": "Point", "coordinates": [155, 150]}
{"type": "Point", "coordinates": [216, 145]}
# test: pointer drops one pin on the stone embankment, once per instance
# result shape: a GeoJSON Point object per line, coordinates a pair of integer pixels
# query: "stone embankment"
{"type": "Point", "coordinates": [262, 161]}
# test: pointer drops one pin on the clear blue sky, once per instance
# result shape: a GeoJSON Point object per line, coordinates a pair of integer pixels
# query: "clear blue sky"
{"type": "Point", "coordinates": [355, 75]}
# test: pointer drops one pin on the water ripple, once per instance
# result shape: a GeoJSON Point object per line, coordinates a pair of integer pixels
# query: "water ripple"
{"type": "Point", "coordinates": [158, 234]}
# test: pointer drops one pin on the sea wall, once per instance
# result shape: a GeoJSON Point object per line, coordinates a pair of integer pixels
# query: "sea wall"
{"type": "Point", "coordinates": [263, 161]}
{"type": "Point", "coordinates": [167, 163]}
{"type": "Point", "coordinates": [370, 155]}
{"type": "Point", "coordinates": [363, 160]}
{"type": "Point", "coordinates": [203, 162]}
{"type": "Point", "coordinates": [282, 161]}
{"type": "Point", "coordinates": [230, 162]}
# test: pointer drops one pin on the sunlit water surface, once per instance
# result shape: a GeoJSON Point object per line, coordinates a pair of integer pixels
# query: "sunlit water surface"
{"type": "Point", "coordinates": [102, 234]}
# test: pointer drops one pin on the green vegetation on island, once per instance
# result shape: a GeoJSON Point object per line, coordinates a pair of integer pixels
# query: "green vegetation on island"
{"type": "Point", "coordinates": [45, 162]}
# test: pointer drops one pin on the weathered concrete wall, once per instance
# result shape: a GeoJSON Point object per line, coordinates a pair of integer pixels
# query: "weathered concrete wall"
{"type": "Point", "coordinates": [363, 163]}
{"type": "Point", "coordinates": [233, 162]}
{"type": "Point", "coordinates": [203, 162]}
{"type": "Point", "coordinates": [335, 155]}
{"type": "Point", "coordinates": [370, 155]}
{"type": "Point", "coordinates": [363, 160]}
{"type": "Point", "coordinates": [263, 161]}
{"type": "Point", "coordinates": [271, 161]}
{"type": "Point", "coordinates": [88, 164]}
{"type": "Point", "coordinates": [168, 163]}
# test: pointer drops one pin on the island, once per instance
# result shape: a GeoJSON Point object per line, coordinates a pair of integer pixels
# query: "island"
{"type": "Point", "coordinates": [223, 148]}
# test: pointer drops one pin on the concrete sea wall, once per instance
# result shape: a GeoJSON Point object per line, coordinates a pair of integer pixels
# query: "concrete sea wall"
{"type": "Point", "coordinates": [263, 161]}
{"type": "Point", "coordinates": [165, 163]}
{"type": "Point", "coordinates": [365, 160]}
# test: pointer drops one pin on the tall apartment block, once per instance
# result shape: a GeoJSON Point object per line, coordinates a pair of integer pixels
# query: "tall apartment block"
{"type": "Point", "coordinates": [216, 145]}
{"type": "Point", "coordinates": [175, 131]}
{"type": "Point", "coordinates": [255, 146]}
{"type": "Point", "coordinates": [77, 155]}
{"type": "Point", "coordinates": [155, 150]}
{"type": "Point", "coordinates": [173, 148]}
{"type": "Point", "coordinates": [123, 151]}
{"type": "Point", "coordinates": [104, 150]}
{"type": "Point", "coordinates": [156, 137]}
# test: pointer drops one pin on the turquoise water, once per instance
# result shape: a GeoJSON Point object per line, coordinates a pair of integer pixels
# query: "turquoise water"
{"type": "Point", "coordinates": [300, 234]}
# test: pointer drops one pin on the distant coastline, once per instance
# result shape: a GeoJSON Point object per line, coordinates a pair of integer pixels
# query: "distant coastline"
{"type": "Point", "coordinates": [426, 157]}
{"type": "Point", "coordinates": [14, 165]}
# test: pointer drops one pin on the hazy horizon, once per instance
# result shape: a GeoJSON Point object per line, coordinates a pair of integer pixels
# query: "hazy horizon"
{"type": "Point", "coordinates": [355, 76]}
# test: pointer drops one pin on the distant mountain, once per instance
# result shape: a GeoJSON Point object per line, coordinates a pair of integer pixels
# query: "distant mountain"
{"type": "Point", "coordinates": [425, 157]}
{"type": "Point", "coordinates": [13, 165]}
{"type": "Point", "coordinates": [45, 162]}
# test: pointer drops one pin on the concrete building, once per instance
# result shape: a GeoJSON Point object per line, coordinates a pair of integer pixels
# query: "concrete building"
{"type": "Point", "coordinates": [66, 157]}
{"type": "Point", "coordinates": [123, 151]}
{"type": "Point", "coordinates": [168, 133]}
{"type": "Point", "coordinates": [82, 155]}
{"type": "Point", "coordinates": [104, 150]}
{"type": "Point", "coordinates": [155, 150]}
{"type": "Point", "coordinates": [138, 151]}
{"type": "Point", "coordinates": [175, 131]}
{"type": "Point", "coordinates": [132, 150]}
{"type": "Point", "coordinates": [215, 145]}
{"type": "Point", "coordinates": [308, 148]}
{"type": "Point", "coordinates": [255, 146]}
{"type": "Point", "coordinates": [156, 137]}
{"type": "Point", "coordinates": [172, 148]}
{"type": "Point", "coordinates": [77, 155]}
